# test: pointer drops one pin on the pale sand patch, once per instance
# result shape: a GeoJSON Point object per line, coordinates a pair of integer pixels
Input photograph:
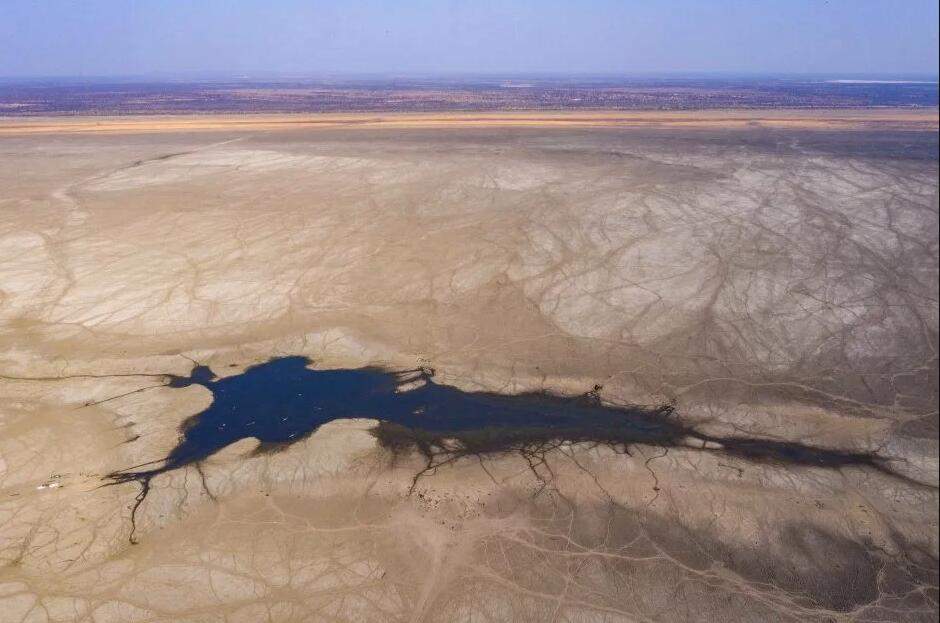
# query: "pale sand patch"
{"type": "Point", "coordinates": [794, 119]}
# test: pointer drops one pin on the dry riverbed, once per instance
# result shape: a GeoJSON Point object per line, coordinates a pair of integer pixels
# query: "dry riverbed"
{"type": "Point", "coordinates": [533, 367]}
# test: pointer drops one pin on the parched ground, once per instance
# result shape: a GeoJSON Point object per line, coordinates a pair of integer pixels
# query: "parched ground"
{"type": "Point", "coordinates": [775, 280]}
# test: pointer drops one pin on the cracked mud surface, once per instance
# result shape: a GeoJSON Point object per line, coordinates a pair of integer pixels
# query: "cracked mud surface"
{"type": "Point", "coordinates": [678, 374]}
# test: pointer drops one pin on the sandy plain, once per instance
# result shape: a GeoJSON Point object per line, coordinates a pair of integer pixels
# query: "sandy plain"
{"type": "Point", "coordinates": [840, 118]}
{"type": "Point", "coordinates": [772, 280]}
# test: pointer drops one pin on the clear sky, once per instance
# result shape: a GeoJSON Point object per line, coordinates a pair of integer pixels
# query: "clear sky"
{"type": "Point", "coordinates": [134, 37]}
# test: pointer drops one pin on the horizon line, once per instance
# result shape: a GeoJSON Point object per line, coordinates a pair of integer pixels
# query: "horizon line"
{"type": "Point", "coordinates": [897, 77]}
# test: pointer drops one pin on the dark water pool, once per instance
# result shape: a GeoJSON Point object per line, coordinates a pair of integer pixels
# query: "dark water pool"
{"type": "Point", "coordinates": [283, 401]}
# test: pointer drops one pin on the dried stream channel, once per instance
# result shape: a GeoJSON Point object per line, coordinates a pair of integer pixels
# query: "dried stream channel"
{"type": "Point", "coordinates": [283, 401]}
{"type": "Point", "coordinates": [777, 279]}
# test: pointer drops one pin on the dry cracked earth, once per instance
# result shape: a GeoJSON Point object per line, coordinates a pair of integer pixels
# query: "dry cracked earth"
{"type": "Point", "coordinates": [564, 374]}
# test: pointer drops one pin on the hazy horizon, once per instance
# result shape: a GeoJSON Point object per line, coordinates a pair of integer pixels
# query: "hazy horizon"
{"type": "Point", "coordinates": [459, 77]}
{"type": "Point", "coordinates": [415, 38]}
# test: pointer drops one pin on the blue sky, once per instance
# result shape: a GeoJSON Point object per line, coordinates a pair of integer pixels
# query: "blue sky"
{"type": "Point", "coordinates": [133, 37]}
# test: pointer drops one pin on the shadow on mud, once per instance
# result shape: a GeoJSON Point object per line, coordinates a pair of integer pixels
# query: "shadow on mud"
{"type": "Point", "coordinates": [283, 401]}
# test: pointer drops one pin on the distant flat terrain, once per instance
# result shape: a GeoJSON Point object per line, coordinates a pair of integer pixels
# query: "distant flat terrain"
{"type": "Point", "coordinates": [470, 366]}
{"type": "Point", "coordinates": [468, 93]}
{"type": "Point", "coordinates": [873, 119]}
